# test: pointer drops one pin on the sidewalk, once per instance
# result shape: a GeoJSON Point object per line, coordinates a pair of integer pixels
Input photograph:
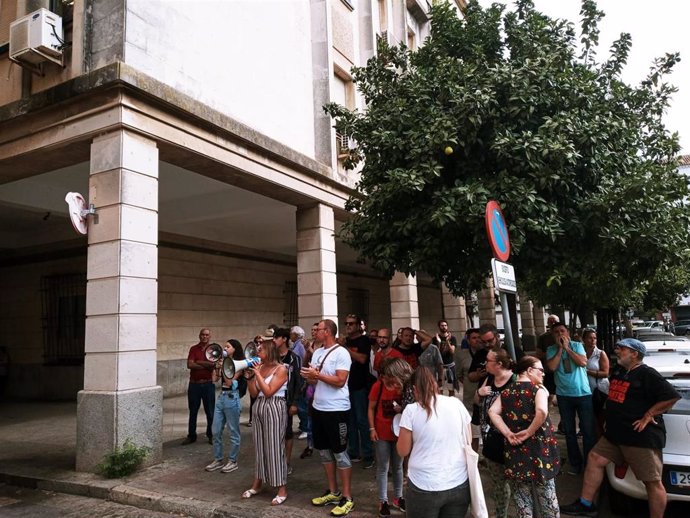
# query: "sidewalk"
{"type": "Point", "coordinates": [38, 451]}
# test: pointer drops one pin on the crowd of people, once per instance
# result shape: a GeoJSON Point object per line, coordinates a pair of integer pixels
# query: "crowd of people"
{"type": "Point", "coordinates": [366, 397]}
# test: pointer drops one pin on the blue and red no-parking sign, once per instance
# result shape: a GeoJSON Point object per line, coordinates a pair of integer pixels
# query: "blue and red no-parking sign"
{"type": "Point", "coordinates": [497, 230]}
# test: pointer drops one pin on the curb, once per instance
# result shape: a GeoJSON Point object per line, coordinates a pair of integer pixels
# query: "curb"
{"type": "Point", "coordinates": [126, 495]}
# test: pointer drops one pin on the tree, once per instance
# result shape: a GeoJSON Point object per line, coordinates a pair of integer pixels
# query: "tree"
{"type": "Point", "coordinates": [502, 105]}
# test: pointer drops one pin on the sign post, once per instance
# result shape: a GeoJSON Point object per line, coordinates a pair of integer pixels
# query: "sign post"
{"type": "Point", "coordinates": [504, 273]}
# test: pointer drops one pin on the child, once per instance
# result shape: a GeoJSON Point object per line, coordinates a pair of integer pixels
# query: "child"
{"type": "Point", "coordinates": [385, 400]}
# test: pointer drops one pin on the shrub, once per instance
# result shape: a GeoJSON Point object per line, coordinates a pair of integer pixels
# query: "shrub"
{"type": "Point", "coordinates": [123, 461]}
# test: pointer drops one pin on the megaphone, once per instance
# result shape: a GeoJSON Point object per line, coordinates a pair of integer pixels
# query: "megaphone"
{"type": "Point", "coordinates": [231, 367]}
{"type": "Point", "coordinates": [250, 350]}
{"type": "Point", "coordinates": [214, 352]}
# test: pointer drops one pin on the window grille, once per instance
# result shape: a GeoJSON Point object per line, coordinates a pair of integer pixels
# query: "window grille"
{"type": "Point", "coordinates": [63, 301]}
{"type": "Point", "coordinates": [290, 297]}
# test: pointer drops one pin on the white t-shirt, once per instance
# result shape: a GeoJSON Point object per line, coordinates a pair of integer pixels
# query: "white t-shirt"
{"type": "Point", "coordinates": [437, 461]}
{"type": "Point", "coordinates": [328, 398]}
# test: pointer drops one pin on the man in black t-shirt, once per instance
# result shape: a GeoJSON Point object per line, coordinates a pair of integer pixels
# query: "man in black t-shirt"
{"type": "Point", "coordinates": [634, 432]}
{"type": "Point", "coordinates": [446, 344]}
{"type": "Point", "coordinates": [359, 445]}
{"type": "Point", "coordinates": [281, 338]}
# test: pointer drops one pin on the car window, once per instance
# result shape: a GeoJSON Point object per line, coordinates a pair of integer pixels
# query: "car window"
{"type": "Point", "coordinates": [683, 404]}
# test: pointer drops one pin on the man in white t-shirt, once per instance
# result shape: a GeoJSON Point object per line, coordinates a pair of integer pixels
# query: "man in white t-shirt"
{"type": "Point", "coordinates": [329, 370]}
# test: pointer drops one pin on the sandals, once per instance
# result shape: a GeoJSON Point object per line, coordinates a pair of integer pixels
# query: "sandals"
{"type": "Point", "coordinates": [277, 500]}
{"type": "Point", "coordinates": [250, 493]}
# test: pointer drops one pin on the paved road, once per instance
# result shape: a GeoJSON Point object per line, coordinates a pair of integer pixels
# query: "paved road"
{"type": "Point", "coordinates": [16, 502]}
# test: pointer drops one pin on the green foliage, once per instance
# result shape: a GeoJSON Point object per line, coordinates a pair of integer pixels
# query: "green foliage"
{"type": "Point", "coordinates": [123, 461]}
{"type": "Point", "coordinates": [580, 161]}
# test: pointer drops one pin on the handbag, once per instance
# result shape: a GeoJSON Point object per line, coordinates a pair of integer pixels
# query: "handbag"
{"type": "Point", "coordinates": [493, 446]}
{"type": "Point", "coordinates": [476, 414]}
{"type": "Point", "coordinates": [477, 502]}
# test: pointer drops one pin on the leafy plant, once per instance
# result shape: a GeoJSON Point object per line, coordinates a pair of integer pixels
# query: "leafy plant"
{"type": "Point", "coordinates": [123, 461]}
{"type": "Point", "coordinates": [509, 106]}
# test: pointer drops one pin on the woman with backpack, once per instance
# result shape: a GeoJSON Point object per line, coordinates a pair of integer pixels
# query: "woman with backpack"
{"type": "Point", "coordinates": [227, 411]}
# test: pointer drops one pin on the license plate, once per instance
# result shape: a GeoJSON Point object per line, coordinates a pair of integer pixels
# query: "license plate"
{"type": "Point", "coordinates": [680, 478]}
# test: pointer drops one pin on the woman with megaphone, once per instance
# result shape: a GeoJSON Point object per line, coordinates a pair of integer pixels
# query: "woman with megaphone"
{"type": "Point", "coordinates": [227, 410]}
{"type": "Point", "coordinates": [269, 387]}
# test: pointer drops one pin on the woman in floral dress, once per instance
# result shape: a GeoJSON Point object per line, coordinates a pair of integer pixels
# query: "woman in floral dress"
{"type": "Point", "coordinates": [531, 449]}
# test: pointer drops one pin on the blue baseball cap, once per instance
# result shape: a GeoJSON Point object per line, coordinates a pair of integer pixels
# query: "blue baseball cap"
{"type": "Point", "coordinates": [633, 344]}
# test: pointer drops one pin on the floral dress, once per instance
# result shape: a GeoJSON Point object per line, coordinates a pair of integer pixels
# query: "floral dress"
{"type": "Point", "coordinates": [536, 459]}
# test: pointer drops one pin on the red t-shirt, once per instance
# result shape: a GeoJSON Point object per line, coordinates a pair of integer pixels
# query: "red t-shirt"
{"type": "Point", "coordinates": [197, 353]}
{"type": "Point", "coordinates": [379, 357]}
{"type": "Point", "coordinates": [383, 419]}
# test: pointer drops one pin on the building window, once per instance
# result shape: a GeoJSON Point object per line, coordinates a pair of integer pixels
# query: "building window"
{"type": "Point", "coordinates": [63, 300]}
{"type": "Point", "coordinates": [358, 300]}
{"type": "Point", "coordinates": [290, 316]}
{"type": "Point", "coordinates": [343, 90]}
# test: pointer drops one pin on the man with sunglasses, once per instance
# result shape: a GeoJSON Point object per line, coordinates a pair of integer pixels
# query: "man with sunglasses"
{"type": "Point", "coordinates": [568, 361]}
{"type": "Point", "coordinates": [360, 446]}
{"type": "Point", "coordinates": [328, 371]}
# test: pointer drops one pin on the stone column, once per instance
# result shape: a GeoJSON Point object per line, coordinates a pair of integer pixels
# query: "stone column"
{"type": "Point", "coordinates": [322, 70]}
{"type": "Point", "coordinates": [539, 320]}
{"type": "Point", "coordinates": [317, 290]}
{"type": "Point", "coordinates": [404, 302]}
{"type": "Point", "coordinates": [454, 312]}
{"type": "Point", "coordinates": [487, 304]}
{"type": "Point", "coordinates": [120, 399]}
{"type": "Point", "coordinates": [529, 339]}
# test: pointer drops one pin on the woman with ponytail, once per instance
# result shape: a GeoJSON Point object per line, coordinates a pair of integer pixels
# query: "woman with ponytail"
{"type": "Point", "coordinates": [434, 431]}
{"type": "Point", "coordinates": [499, 367]}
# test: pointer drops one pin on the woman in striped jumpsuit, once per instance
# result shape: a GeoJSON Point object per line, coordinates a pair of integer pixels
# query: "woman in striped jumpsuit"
{"type": "Point", "coordinates": [269, 386]}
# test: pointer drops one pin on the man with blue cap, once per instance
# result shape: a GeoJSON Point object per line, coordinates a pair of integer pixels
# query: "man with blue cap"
{"type": "Point", "coordinates": [634, 432]}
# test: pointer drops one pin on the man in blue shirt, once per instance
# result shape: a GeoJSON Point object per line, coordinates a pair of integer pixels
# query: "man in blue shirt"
{"type": "Point", "coordinates": [568, 360]}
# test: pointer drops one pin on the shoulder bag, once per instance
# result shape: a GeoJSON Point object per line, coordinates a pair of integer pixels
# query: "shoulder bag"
{"type": "Point", "coordinates": [477, 502]}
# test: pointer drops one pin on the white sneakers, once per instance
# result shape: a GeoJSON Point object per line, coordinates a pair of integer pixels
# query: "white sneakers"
{"type": "Point", "coordinates": [230, 466]}
{"type": "Point", "coordinates": [219, 464]}
{"type": "Point", "coordinates": [215, 465]}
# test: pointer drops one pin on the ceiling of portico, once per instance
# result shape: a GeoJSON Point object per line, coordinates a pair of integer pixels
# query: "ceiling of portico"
{"type": "Point", "coordinates": [33, 212]}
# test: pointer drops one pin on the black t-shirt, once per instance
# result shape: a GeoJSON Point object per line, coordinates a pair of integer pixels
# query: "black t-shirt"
{"type": "Point", "coordinates": [294, 387]}
{"type": "Point", "coordinates": [410, 355]}
{"type": "Point", "coordinates": [359, 372]}
{"type": "Point", "coordinates": [631, 394]}
{"type": "Point", "coordinates": [445, 352]}
{"type": "Point", "coordinates": [479, 360]}
{"type": "Point", "coordinates": [545, 340]}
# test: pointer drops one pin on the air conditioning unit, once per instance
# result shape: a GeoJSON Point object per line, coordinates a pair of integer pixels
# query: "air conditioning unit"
{"type": "Point", "coordinates": [36, 38]}
{"type": "Point", "coordinates": [344, 145]}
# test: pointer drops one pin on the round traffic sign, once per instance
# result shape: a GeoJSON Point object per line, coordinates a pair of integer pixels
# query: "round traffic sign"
{"type": "Point", "coordinates": [497, 230]}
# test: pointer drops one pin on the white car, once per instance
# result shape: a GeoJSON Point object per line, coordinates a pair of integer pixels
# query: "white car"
{"type": "Point", "coordinates": [649, 324]}
{"type": "Point", "coordinates": [623, 486]}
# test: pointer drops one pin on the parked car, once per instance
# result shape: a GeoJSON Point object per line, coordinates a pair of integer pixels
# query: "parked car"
{"type": "Point", "coordinates": [623, 486]}
{"type": "Point", "coordinates": [650, 324]}
{"type": "Point", "coordinates": [646, 335]}
{"type": "Point", "coordinates": [682, 327]}
{"type": "Point", "coordinates": [665, 345]}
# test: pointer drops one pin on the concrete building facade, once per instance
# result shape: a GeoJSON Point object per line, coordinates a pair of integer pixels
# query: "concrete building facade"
{"type": "Point", "coordinates": [198, 134]}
